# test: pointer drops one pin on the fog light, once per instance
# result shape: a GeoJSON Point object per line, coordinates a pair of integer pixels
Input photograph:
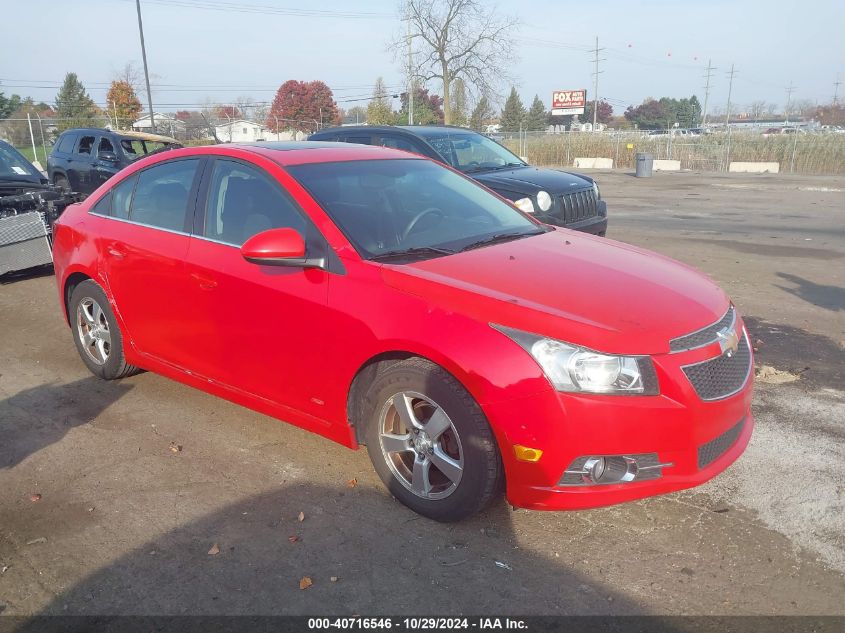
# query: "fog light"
{"type": "Point", "coordinates": [594, 470]}
{"type": "Point", "coordinates": [526, 454]}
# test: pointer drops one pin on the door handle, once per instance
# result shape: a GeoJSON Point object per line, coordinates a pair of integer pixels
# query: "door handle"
{"type": "Point", "coordinates": [204, 282]}
{"type": "Point", "coordinates": [116, 253]}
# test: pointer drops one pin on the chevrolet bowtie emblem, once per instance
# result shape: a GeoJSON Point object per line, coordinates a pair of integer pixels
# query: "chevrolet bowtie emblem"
{"type": "Point", "coordinates": [728, 341]}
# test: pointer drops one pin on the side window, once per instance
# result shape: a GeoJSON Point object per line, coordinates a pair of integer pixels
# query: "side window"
{"type": "Point", "coordinates": [85, 145]}
{"type": "Point", "coordinates": [398, 142]}
{"type": "Point", "coordinates": [243, 201]}
{"type": "Point", "coordinates": [65, 145]}
{"type": "Point", "coordinates": [161, 196]}
{"type": "Point", "coordinates": [105, 145]}
{"type": "Point", "coordinates": [103, 206]}
{"type": "Point", "coordinates": [360, 139]}
{"type": "Point", "coordinates": [122, 198]}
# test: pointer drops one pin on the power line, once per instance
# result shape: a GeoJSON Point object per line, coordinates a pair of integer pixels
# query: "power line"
{"type": "Point", "coordinates": [789, 90]}
{"type": "Point", "coordinates": [836, 90]}
{"type": "Point", "coordinates": [239, 7]}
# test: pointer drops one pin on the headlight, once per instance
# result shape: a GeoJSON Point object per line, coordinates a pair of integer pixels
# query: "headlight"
{"type": "Point", "coordinates": [572, 368]}
{"type": "Point", "coordinates": [544, 201]}
{"type": "Point", "coordinates": [525, 204]}
{"type": "Point", "coordinates": [596, 190]}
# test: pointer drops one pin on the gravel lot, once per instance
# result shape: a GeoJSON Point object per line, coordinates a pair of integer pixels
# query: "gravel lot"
{"type": "Point", "coordinates": [125, 519]}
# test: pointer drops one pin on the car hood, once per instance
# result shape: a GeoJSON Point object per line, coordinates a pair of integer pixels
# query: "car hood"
{"type": "Point", "coordinates": [532, 179]}
{"type": "Point", "coordinates": [589, 291]}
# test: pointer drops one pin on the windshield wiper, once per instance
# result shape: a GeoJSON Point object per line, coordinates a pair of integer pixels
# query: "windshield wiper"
{"type": "Point", "coordinates": [410, 252]}
{"type": "Point", "coordinates": [498, 237]}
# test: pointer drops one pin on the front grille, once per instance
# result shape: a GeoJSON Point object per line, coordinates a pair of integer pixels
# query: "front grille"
{"type": "Point", "coordinates": [577, 206]}
{"type": "Point", "coordinates": [722, 376]}
{"type": "Point", "coordinates": [715, 448]}
{"type": "Point", "coordinates": [705, 335]}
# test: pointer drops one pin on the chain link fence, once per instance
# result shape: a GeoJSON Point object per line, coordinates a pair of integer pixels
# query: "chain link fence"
{"type": "Point", "coordinates": [800, 153]}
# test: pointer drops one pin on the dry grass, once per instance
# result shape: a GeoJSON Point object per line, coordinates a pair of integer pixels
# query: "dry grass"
{"type": "Point", "coordinates": [813, 153]}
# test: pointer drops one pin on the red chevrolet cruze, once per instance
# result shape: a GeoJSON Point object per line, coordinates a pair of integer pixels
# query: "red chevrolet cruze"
{"type": "Point", "coordinates": [380, 298]}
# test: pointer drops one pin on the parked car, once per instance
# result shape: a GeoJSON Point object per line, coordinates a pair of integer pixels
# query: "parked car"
{"type": "Point", "coordinates": [382, 299]}
{"type": "Point", "coordinates": [82, 159]}
{"type": "Point", "coordinates": [28, 208]}
{"type": "Point", "coordinates": [555, 196]}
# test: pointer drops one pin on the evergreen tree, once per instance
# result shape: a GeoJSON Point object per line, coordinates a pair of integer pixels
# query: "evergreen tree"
{"type": "Point", "coordinates": [74, 108]}
{"type": "Point", "coordinates": [459, 102]}
{"type": "Point", "coordinates": [537, 117]}
{"type": "Point", "coordinates": [513, 115]}
{"type": "Point", "coordinates": [480, 115]}
{"type": "Point", "coordinates": [379, 111]}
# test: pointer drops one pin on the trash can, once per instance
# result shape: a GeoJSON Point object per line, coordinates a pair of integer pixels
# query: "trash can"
{"type": "Point", "coordinates": [645, 163]}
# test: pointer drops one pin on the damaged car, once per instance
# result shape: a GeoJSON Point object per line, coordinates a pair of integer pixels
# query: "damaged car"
{"type": "Point", "coordinates": [29, 206]}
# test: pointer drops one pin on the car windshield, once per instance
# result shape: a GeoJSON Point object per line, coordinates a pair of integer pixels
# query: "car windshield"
{"type": "Point", "coordinates": [410, 209]}
{"type": "Point", "coordinates": [135, 148]}
{"type": "Point", "coordinates": [470, 152]}
{"type": "Point", "coordinates": [13, 166]}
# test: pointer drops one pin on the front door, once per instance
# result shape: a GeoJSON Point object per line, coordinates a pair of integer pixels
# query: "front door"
{"type": "Point", "coordinates": [257, 328]}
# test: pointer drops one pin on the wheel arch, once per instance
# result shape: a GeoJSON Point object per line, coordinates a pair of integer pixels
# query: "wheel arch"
{"type": "Point", "coordinates": [71, 282]}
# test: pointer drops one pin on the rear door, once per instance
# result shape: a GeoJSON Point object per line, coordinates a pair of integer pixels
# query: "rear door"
{"type": "Point", "coordinates": [143, 247]}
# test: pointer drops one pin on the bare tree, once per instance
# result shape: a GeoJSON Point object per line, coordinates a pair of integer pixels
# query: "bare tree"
{"type": "Point", "coordinates": [464, 39]}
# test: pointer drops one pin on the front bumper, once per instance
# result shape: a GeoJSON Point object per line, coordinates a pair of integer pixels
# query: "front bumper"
{"type": "Point", "coordinates": [677, 425]}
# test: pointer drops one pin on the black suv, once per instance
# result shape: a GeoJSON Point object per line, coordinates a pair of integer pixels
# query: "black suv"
{"type": "Point", "coordinates": [84, 158]}
{"type": "Point", "coordinates": [553, 196]}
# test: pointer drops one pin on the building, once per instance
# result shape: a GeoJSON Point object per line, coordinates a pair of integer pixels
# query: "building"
{"type": "Point", "coordinates": [164, 124]}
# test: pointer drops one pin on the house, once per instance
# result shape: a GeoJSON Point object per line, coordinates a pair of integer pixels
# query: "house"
{"type": "Point", "coordinates": [242, 131]}
{"type": "Point", "coordinates": [164, 124]}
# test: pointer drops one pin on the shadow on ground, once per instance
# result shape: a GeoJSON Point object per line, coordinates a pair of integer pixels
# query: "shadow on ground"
{"type": "Point", "coordinates": [827, 297]}
{"type": "Point", "coordinates": [399, 564]}
{"type": "Point", "coordinates": [38, 417]}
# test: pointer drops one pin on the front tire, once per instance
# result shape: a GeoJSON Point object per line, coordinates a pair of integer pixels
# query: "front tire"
{"type": "Point", "coordinates": [430, 442]}
{"type": "Point", "coordinates": [62, 183]}
{"type": "Point", "coordinates": [96, 334]}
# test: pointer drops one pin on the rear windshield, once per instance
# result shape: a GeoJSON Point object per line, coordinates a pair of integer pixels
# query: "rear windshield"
{"type": "Point", "coordinates": [135, 148]}
{"type": "Point", "coordinates": [383, 206]}
{"type": "Point", "coordinates": [13, 166]}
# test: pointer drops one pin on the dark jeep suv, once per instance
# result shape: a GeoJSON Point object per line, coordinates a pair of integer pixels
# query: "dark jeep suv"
{"type": "Point", "coordinates": [84, 158]}
{"type": "Point", "coordinates": [553, 196]}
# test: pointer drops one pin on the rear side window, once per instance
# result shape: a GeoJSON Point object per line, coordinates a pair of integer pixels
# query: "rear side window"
{"type": "Point", "coordinates": [121, 197]}
{"type": "Point", "coordinates": [86, 143]}
{"type": "Point", "coordinates": [103, 206]}
{"type": "Point", "coordinates": [361, 139]}
{"type": "Point", "coordinates": [398, 142]}
{"type": "Point", "coordinates": [161, 195]}
{"type": "Point", "coordinates": [105, 145]}
{"type": "Point", "coordinates": [243, 201]}
{"type": "Point", "coordinates": [65, 145]}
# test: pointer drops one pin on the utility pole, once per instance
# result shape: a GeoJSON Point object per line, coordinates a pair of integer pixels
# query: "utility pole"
{"type": "Point", "coordinates": [836, 85]}
{"type": "Point", "coordinates": [410, 75]}
{"type": "Point", "coordinates": [146, 70]}
{"type": "Point", "coordinates": [596, 74]}
{"type": "Point", "coordinates": [707, 76]}
{"type": "Point", "coordinates": [728, 118]}
{"type": "Point", "coordinates": [789, 90]}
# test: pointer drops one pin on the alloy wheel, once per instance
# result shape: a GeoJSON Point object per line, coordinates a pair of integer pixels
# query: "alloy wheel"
{"type": "Point", "coordinates": [92, 327]}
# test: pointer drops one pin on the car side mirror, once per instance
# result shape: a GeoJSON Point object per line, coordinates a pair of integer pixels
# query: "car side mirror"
{"type": "Point", "coordinates": [107, 156]}
{"type": "Point", "coordinates": [279, 247]}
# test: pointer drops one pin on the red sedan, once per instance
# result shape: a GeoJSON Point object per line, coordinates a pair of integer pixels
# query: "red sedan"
{"type": "Point", "coordinates": [379, 298]}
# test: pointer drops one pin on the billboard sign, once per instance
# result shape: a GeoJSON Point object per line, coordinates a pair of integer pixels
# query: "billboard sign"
{"type": "Point", "coordinates": [565, 102]}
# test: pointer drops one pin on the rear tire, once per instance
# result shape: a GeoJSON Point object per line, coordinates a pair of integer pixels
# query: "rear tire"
{"type": "Point", "coordinates": [430, 442]}
{"type": "Point", "coordinates": [96, 334]}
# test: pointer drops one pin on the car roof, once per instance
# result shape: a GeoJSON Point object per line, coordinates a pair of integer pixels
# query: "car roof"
{"type": "Point", "coordinates": [418, 130]}
{"type": "Point", "coordinates": [295, 152]}
{"type": "Point", "coordinates": [141, 136]}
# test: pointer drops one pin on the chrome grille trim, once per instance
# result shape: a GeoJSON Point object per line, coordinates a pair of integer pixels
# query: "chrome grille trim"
{"type": "Point", "coordinates": [704, 336]}
{"type": "Point", "coordinates": [723, 376]}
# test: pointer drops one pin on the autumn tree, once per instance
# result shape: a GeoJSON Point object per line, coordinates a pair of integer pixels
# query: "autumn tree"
{"type": "Point", "coordinates": [604, 112]}
{"type": "Point", "coordinates": [831, 114]}
{"type": "Point", "coordinates": [513, 114]}
{"type": "Point", "coordinates": [227, 113]}
{"type": "Point", "coordinates": [302, 106]}
{"type": "Point", "coordinates": [123, 104]}
{"type": "Point", "coordinates": [379, 111]}
{"type": "Point", "coordinates": [481, 114]}
{"type": "Point", "coordinates": [74, 108]}
{"type": "Point", "coordinates": [537, 118]}
{"type": "Point", "coordinates": [428, 108]}
{"type": "Point", "coordinates": [464, 39]}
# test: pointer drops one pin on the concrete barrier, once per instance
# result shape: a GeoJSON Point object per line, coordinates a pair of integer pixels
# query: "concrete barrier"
{"type": "Point", "coordinates": [754, 168]}
{"type": "Point", "coordinates": [667, 165]}
{"type": "Point", "coordinates": [594, 163]}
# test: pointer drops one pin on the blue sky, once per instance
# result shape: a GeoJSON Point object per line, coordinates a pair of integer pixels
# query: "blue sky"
{"type": "Point", "coordinates": [654, 48]}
